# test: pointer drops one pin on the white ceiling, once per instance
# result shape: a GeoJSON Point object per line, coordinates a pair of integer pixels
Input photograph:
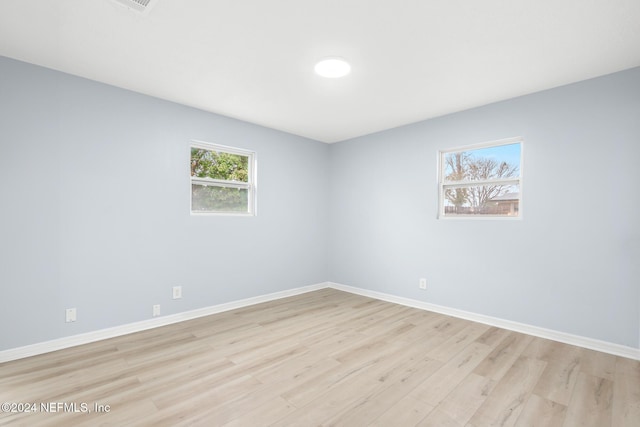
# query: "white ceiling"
{"type": "Point", "coordinates": [253, 59]}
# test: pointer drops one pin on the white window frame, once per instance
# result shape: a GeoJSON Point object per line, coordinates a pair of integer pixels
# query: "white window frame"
{"type": "Point", "coordinates": [443, 185]}
{"type": "Point", "coordinates": [250, 185]}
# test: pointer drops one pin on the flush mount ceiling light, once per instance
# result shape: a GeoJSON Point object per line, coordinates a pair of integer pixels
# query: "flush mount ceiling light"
{"type": "Point", "coordinates": [332, 68]}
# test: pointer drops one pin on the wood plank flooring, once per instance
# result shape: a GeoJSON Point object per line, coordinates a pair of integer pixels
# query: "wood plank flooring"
{"type": "Point", "coordinates": [325, 358]}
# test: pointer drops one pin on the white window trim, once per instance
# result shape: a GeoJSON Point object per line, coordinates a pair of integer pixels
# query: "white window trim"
{"type": "Point", "coordinates": [442, 185]}
{"type": "Point", "coordinates": [251, 183]}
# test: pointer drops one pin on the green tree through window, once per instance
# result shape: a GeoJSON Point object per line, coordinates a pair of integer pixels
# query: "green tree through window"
{"type": "Point", "coordinates": [216, 165]}
{"type": "Point", "coordinates": [220, 180]}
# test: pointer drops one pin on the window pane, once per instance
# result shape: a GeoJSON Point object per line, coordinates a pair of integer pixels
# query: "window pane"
{"type": "Point", "coordinates": [493, 200]}
{"type": "Point", "coordinates": [501, 161]}
{"type": "Point", "coordinates": [219, 165]}
{"type": "Point", "coordinates": [208, 198]}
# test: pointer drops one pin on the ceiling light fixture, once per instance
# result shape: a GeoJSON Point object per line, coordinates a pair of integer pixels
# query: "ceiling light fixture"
{"type": "Point", "coordinates": [333, 68]}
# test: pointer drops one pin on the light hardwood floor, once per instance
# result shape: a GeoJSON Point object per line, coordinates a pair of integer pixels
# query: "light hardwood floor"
{"type": "Point", "coordinates": [326, 358]}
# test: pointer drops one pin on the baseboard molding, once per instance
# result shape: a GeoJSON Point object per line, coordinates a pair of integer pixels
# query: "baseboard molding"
{"type": "Point", "coordinates": [590, 343]}
{"type": "Point", "coordinates": [89, 337]}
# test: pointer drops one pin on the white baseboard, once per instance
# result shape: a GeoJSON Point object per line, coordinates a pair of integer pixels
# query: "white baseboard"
{"type": "Point", "coordinates": [590, 343]}
{"type": "Point", "coordinates": [102, 334]}
{"type": "Point", "coordinates": [75, 340]}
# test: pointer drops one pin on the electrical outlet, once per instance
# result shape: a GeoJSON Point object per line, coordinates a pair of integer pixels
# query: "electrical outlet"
{"type": "Point", "coordinates": [423, 284]}
{"type": "Point", "coordinates": [156, 310]}
{"type": "Point", "coordinates": [70, 315]}
{"type": "Point", "coordinates": [177, 292]}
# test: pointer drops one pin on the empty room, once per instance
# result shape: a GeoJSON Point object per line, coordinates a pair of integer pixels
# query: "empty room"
{"type": "Point", "coordinates": [296, 213]}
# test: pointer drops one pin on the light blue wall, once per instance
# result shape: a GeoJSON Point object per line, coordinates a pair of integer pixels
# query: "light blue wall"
{"type": "Point", "coordinates": [94, 191]}
{"type": "Point", "coordinates": [571, 264]}
{"type": "Point", "coordinates": [94, 211]}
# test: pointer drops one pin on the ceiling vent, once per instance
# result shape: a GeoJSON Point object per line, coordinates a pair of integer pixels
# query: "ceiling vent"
{"type": "Point", "coordinates": [142, 6]}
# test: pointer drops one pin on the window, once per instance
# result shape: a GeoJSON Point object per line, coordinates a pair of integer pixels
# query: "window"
{"type": "Point", "coordinates": [223, 180]}
{"type": "Point", "coordinates": [482, 181]}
